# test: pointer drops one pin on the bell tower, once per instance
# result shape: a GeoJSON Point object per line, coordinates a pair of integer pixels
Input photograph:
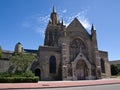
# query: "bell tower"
{"type": "Point", "coordinates": [53, 30]}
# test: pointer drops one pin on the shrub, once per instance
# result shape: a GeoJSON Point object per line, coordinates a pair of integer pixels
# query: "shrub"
{"type": "Point", "coordinates": [28, 74]}
{"type": "Point", "coordinates": [18, 79]}
{"type": "Point", "coordinates": [5, 74]}
{"type": "Point", "coordinates": [114, 69]}
{"type": "Point", "coordinates": [18, 74]}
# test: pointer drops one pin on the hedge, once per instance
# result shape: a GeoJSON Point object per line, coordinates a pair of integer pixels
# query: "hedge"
{"type": "Point", "coordinates": [18, 79]}
{"type": "Point", "coordinates": [17, 74]}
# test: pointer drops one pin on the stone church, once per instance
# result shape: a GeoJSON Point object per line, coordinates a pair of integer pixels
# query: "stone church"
{"type": "Point", "coordinates": [69, 53]}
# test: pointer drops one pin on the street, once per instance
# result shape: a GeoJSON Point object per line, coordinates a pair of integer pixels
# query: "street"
{"type": "Point", "coordinates": [98, 87]}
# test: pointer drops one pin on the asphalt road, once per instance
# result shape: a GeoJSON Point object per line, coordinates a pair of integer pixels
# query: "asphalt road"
{"type": "Point", "coordinates": [98, 87]}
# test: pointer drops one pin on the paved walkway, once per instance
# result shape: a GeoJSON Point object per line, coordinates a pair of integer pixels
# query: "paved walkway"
{"type": "Point", "coordinates": [57, 84]}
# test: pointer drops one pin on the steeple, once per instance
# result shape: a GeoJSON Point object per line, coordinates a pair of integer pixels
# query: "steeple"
{"type": "Point", "coordinates": [93, 31]}
{"type": "Point", "coordinates": [53, 9]}
{"type": "Point", "coordinates": [54, 30]}
{"type": "Point", "coordinates": [54, 17]}
{"type": "Point", "coordinates": [92, 27]}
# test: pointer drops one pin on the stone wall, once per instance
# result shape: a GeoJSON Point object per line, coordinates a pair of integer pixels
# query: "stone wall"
{"type": "Point", "coordinates": [104, 55]}
{"type": "Point", "coordinates": [45, 52]}
{"type": "Point", "coordinates": [4, 65]}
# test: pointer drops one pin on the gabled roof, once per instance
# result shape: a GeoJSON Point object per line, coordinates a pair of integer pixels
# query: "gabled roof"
{"type": "Point", "coordinates": [76, 25]}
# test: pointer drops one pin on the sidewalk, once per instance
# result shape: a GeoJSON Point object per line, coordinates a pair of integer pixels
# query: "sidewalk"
{"type": "Point", "coordinates": [57, 84]}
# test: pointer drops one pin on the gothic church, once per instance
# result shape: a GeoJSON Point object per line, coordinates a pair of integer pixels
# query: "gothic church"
{"type": "Point", "coordinates": [69, 53]}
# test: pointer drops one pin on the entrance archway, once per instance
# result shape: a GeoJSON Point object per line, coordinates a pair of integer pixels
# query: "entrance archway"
{"type": "Point", "coordinates": [38, 73]}
{"type": "Point", "coordinates": [81, 70]}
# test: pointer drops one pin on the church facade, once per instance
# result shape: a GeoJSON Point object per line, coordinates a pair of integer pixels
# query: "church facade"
{"type": "Point", "coordinates": [68, 53]}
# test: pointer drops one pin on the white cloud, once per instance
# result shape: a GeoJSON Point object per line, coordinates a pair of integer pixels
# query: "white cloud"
{"type": "Point", "coordinates": [81, 17]}
{"type": "Point", "coordinates": [64, 11]}
{"type": "Point", "coordinates": [83, 20]}
{"type": "Point", "coordinates": [43, 19]}
{"type": "Point", "coordinates": [39, 22]}
{"type": "Point", "coordinates": [40, 31]}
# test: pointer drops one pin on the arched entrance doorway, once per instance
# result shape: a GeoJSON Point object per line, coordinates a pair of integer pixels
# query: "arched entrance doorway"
{"type": "Point", "coordinates": [38, 73]}
{"type": "Point", "coordinates": [81, 70]}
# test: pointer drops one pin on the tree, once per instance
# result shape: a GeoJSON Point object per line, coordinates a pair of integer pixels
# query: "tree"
{"type": "Point", "coordinates": [22, 61]}
{"type": "Point", "coordinates": [0, 52]}
{"type": "Point", "coordinates": [114, 69]}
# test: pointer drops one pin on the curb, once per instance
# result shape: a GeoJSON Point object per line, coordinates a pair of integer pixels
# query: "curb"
{"type": "Point", "coordinates": [79, 84]}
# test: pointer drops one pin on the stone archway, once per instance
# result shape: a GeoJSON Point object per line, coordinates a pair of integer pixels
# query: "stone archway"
{"type": "Point", "coordinates": [81, 70]}
{"type": "Point", "coordinates": [38, 73]}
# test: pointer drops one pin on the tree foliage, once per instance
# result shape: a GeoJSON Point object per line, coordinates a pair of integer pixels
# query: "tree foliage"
{"type": "Point", "coordinates": [21, 61]}
{"type": "Point", "coordinates": [114, 69]}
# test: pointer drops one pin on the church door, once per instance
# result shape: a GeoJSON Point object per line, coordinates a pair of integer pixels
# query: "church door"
{"type": "Point", "coordinates": [38, 73]}
{"type": "Point", "coordinates": [81, 70]}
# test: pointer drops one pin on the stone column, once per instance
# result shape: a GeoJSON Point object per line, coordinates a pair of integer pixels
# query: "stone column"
{"type": "Point", "coordinates": [89, 73]}
{"type": "Point", "coordinates": [64, 62]}
{"type": "Point", "coordinates": [73, 71]}
{"type": "Point", "coordinates": [98, 69]}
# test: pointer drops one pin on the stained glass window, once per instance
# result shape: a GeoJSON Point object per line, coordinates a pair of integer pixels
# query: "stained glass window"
{"type": "Point", "coordinates": [52, 64]}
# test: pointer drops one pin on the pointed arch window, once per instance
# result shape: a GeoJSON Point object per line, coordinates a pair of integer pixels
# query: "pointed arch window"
{"type": "Point", "coordinates": [55, 34]}
{"type": "Point", "coordinates": [77, 45]}
{"type": "Point", "coordinates": [50, 36]}
{"type": "Point", "coordinates": [52, 64]}
{"type": "Point", "coordinates": [102, 66]}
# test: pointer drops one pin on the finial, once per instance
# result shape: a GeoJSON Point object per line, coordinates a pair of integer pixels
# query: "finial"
{"type": "Point", "coordinates": [92, 27]}
{"type": "Point", "coordinates": [53, 8]}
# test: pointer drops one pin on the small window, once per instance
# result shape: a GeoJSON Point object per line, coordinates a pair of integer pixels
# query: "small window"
{"type": "Point", "coordinates": [50, 36]}
{"type": "Point", "coordinates": [55, 34]}
{"type": "Point", "coordinates": [102, 66]}
{"type": "Point", "coordinates": [52, 64]}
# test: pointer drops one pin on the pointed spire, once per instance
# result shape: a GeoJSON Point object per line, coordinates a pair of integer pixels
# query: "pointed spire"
{"type": "Point", "coordinates": [53, 9]}
{"type": "Point", "coordinates": [54, 17]}
{"type": "Point", "coordinates": [92, 27]}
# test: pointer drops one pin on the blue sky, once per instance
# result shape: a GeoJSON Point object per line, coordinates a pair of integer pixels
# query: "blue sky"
{"type": "Point", "coordinates": [25, 21]}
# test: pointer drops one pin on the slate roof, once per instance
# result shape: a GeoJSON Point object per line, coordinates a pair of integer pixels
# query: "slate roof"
{"type": "Point", "coordinates": [30, 51]}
